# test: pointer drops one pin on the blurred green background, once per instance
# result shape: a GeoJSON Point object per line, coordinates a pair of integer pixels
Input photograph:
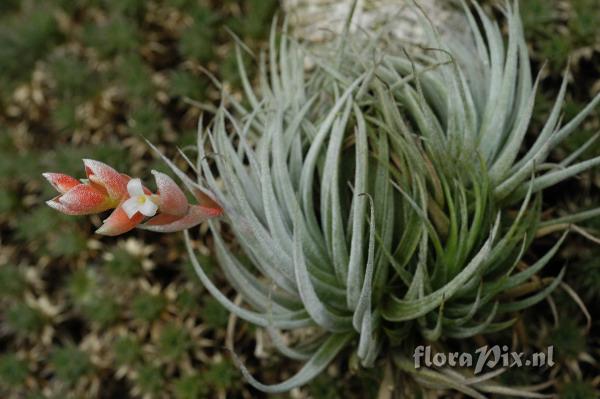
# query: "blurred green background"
{"type": "Point", "coordinates": [84, 316]}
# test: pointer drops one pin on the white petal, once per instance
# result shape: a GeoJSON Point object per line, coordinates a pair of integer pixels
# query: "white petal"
{"type": "Point", "coordinates": [131, 206]}
{"type": "Point", "coordinates": [148, 208]}
{"type": "Point", "coordinates": [134, 188]}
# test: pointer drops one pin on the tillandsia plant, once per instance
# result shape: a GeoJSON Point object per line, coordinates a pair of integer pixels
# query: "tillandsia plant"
{"type": "Point", "coordinates": [379, 197]}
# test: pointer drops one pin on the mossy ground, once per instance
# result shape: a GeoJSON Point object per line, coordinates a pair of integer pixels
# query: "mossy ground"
{"type": "Point", "coordinates": [86, 316]}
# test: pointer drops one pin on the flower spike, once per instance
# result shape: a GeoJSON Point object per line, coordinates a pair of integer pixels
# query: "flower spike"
{"type": "Point", "coordinates": [105, 188]}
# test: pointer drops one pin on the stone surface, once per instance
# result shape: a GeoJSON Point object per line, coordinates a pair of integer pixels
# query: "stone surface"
{"type": "Point", "coordinates": [319, 20]}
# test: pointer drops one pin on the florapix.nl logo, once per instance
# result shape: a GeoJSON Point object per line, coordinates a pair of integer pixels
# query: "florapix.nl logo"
{"type": "Point", "coordinates": [484, 357]}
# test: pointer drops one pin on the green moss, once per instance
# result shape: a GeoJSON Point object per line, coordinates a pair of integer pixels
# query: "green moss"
{"type": "Point", "coordinates": [135, 76]}
{"type": "Point", "coordinates": [190, 386]}
{"type": "Point", "coordinates": [116, 36]}
{"type": "Point", "coordinates": [12, 281]}
{"type": "Point", "coordinates": [64, 118]}
{"type": "Point", "coordinates": [82, 285]}
{"type": "Point", "coordinates": [182, 4]}
{"type": "Point", "coordinates": [13, 371]}
{"type": "Point", "coordinates": [94, 304]}
{"type": "Point", "coordinates": [185, 84]}
{"type": "Point", "coordinates": [150, 379]}
{"type": "Point", "coordinates": [127, 350]}
{"type": "Point", "coordinates": [536, 15]}
{"type": "Point", "coordinates": [583, 22]}
{"type": "Point", "coordinates": [72, 6]}
{"type": "Point", "coordinates": [256, 18]}
{"type": "Point", "coordinates": [67, 243]}
{"type": "Point", "coordinates": [222, 375]}
{"type": "Point", "coordinates": [8, 201]}
{"type": "Point", "coordinates": [198, 40]}
{"type": "Point", "coordinates": [67, 160]}
{"type": "Point", "coordinates": [122, 264]}
{"type": "Point", "coordinates": [208, 263]}
{"type": "Point", "coordinates": [148, 307]}
{"type": "Point", "coordinates": [23, 319]}
{"type": "Point", "coordinates": [583, 134]}
{"type": "Point", "coordinates": [187, 301]}
{"type": "Point", "coordinates": [556, 50]}
{"type": "Point", "coordinates": [568, 338]}
{"type": "Point", "coordinates": [70, 363]}
{"type": "Point", "coordinates": [587, 280]}
{"type": "Point", "coordinates": [24, 39]}
{"type": "Point", "coordinates": [324, 387]}
{"type": "Point", "coordinates": [364, 383]}
{"type": "Point", "coordinates": [131, 8]}
{"type": "Point", "coordinates": [38, 223]}
{"type": "Point", "coordinates": [112, 153]}
{"type": "Point", "coordinates": [7, 6]}
{"type": "Point", "coordinates": [74, 79]}
{"type": "Point", "coordinates": [214, 314]}
{"type": "Point", "coordinates": [554, 39]}
{"type": "Point", "coordinates": [519, 377]}
{"type": "Point", "coordinates": [578, 390]}
{"type": "Point", "coordinates": [174, 342]}
{"type": "Point", "coordinates": [24, 166]}
{"type": "Point", "coordinates": [146, 120]}
{"type": "Point", "coordinates": [102, 309]}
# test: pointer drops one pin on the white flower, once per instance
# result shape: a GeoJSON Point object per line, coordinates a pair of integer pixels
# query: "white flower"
{"type": "Point", "coordinates": [139, 201]}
